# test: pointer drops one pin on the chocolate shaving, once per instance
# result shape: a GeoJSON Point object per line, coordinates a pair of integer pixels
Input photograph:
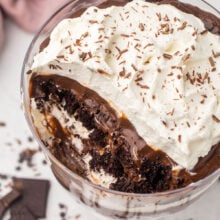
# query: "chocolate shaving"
{"type": "Point", "coordinates": [194, 33]}
{"type": "Point", "coordinates": [215, 118]}
{"type": "Point", "coordinates": [170, 74]}
{"type": "Point", "coordinates": [138, 79]}
{"type": "Point", "coordinates": [103, 72]}
{"type": "Point", "coordinates": [159, 16]}
{"type": "Point", "coordinates": [93, 22]}
{"type": "Point", "coordinates": [165, 124]}
{"type": "Point", "coordinates": [211, 61]}
{"type": "Point", "coordinates": [204, 32]}
{"type": "Point", "coordinates": [148, 45]}
{"type": "Point", "coordinates": [122, 73]}
{"type": "Point", "coordinates": [216, 54]}
{"type": "Point", "coordinates": [167, 56]}
{"type": "Point", "coordinates": [120, 52]}
{"type": "Point", "coordinates": [60, 57]}
{"type": "Point", "coordinates": [164, 29]}
{"type": "Point", "coordinates": [29, 72]}
{"type": "Point", "coordinates": [78, 42]}
{"type": "Point", "coordinates": [193, 47]}
{"type": "Point", "coordinates": [134, 67]}
{"type": "Point", "coordinates": [183, 26]}
{"type": "Point", "coordinates": [141, 26]}
{"type": "Point", "coordinates": [125, 35]}
{"type": "Point", "coordinates": [55, 67]}
{"type": "Point", "coordinates": [143, 86]}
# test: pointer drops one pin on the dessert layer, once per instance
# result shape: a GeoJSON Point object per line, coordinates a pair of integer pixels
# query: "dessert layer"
{"type": "Point", "coordinates": [98, 144]}
{"type": "Point", "coordinates": [159, 66]}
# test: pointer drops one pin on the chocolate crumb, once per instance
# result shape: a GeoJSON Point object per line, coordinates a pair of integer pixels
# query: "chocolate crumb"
{"type": "Point", "coordinates": [18, 168]}
{"type": "Point", "coordinates": [77, 217]}
{"type": "Point", "coordinates": [63, 214]}
{"type": "Point", "coordinates": [62, 206]}
{"type": "Point", "coordinates": [29, 72]}
{"type": "Point", "coordinates": [18, 141]}
{"type": "Point", "coordinates": [27, 155]}
{"type": "Point", "coordinates": [3, 177]}
{"type": "Point", "coordinates": [44, 162]}
{"type": "Point", "coordinates": [30, 139]}
{"type": "Point", "coordinates": [2, 124]}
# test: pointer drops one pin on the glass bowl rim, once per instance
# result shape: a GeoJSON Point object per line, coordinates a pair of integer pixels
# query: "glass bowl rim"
{"type": "Point", "coordinates": [27, 115]}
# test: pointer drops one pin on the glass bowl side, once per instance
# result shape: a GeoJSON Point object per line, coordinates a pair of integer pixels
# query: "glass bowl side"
{"type": "Point", "coordinates": [107, 202]}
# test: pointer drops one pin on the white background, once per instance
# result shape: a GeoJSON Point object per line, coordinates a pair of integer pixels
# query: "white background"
{"type": "Point", "coordinates": [11, 58]}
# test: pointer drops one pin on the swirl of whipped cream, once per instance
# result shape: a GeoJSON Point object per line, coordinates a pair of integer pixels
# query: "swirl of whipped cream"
{"type": "Point", "coordinates": [149, 61]}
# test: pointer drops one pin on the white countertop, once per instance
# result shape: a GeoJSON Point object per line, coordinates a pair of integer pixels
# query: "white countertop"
{"type": "Point", "coordinates": [11, 58]}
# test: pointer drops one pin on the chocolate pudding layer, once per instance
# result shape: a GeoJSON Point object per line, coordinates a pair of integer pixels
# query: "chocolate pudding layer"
{"type": "Point", "coordinates": [94, 135]}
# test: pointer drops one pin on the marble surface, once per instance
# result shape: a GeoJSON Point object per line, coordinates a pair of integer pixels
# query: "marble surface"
{"type": "Point", "coordinates": [15, 137]}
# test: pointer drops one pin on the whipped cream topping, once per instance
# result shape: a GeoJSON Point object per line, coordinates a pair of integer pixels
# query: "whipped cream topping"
{"type": "Point", "coordinates": [154, 64]}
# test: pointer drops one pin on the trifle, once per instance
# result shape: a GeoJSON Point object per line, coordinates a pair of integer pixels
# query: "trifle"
{"type": "Point", "coordinates": [124, 97]}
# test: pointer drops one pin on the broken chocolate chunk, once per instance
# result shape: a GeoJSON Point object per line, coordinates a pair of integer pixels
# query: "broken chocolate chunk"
{"type": "Point", "coordinates": [7, 200]}
{"type": "Point", "coordinates": [34, 197]}
{"type": "Point", "coordinates": [21, 213]}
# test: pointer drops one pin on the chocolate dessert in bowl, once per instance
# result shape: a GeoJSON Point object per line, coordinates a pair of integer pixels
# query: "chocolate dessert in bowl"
{"type": "Point", "coordinates": [124, 99]}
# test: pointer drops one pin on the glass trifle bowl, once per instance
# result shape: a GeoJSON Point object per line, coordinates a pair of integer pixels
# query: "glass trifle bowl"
{"type": "Point", "coordinates": [106, 202]}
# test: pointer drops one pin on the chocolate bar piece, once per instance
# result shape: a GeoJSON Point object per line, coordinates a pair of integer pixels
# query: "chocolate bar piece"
{"type": "Point", "coordinates": [34, 197]}
{"type": "Point", "coordinates": [7, 200]}
{"type": "Point", "coordinates": [21, 213]}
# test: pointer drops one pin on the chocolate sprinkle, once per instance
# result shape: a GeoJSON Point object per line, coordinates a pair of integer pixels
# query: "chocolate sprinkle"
{"type": "Point", "coordinates": [215, 118]}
